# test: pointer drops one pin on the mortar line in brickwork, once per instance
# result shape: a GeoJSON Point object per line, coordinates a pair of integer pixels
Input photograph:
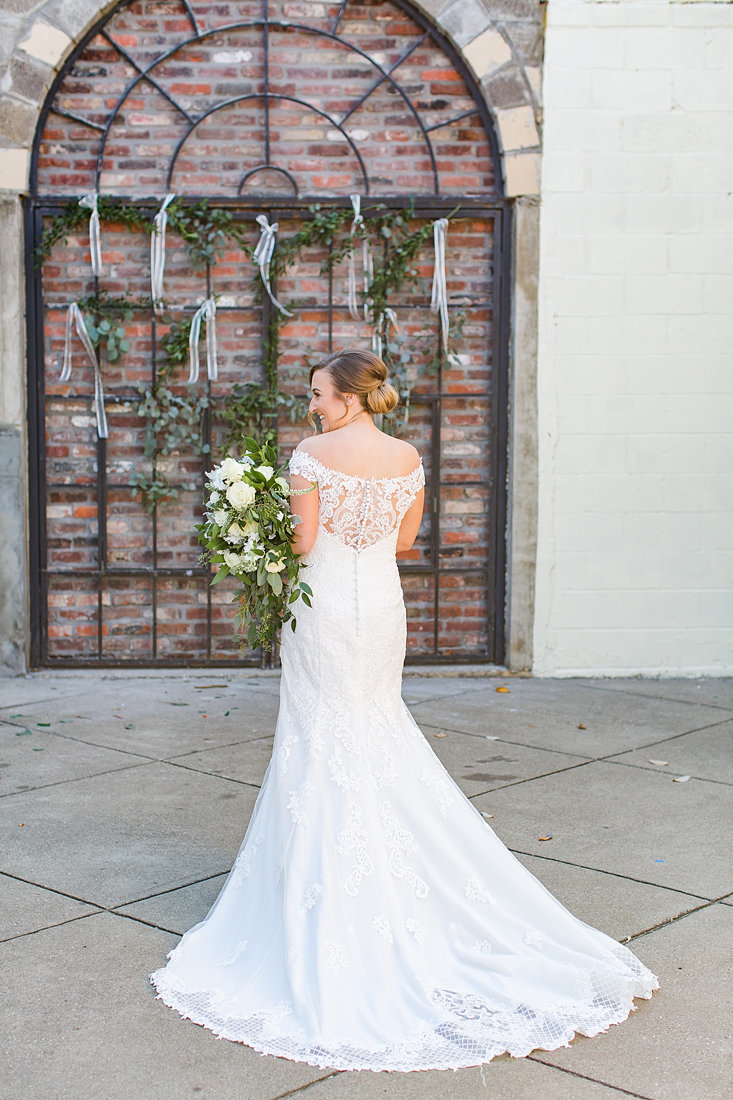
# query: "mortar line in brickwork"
{"type": "Point", "coordinates": [143, 74]}
{"type": "Point", "coordinates": [386, 73]}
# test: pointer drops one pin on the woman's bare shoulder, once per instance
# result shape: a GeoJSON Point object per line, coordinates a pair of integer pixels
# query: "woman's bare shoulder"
{"type": "Point", "coordinates": [404, 454]}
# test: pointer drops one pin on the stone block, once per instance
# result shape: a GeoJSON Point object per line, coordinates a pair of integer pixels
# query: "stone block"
{"type": "Point", "coordinates": [28, 77]}
{"type": "Point", "coordinates": [14, 165]}
{"type": "Point", "coordinates": [463, 20]}
{"type": "Point", "coordinates": [517, 129]}
{"type": "Point", "coordinates": [526, 37]}
{"type": "Point", "coordinates": [74, 16]}
{"type": "Point", "coordinates": [506, 89]}
{"type": "Point", "coordinates": [522, 172]}
{"type": "Point", "coordinates": [534, 79]}
{"type": "Point", "coordinates": [486, 53]}
{"type": "Point", "coordinates": [17, 121]}
{"type": "Point", "coordinates": [46, 43]}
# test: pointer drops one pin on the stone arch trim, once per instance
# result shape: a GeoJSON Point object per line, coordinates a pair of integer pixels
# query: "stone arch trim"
{"type": "Point", "coordinates": [499, 41]}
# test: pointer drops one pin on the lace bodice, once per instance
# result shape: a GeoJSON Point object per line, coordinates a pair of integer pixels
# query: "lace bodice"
{"type": "Point", "coordinates": [358, 510]}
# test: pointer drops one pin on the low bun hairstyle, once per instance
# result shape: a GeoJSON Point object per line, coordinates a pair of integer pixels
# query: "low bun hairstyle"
{"type": "Point", "coordinates": [362, 373]}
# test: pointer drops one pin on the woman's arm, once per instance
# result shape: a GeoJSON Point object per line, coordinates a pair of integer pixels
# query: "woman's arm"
{"type": "Point", "coordinates": [410, 523]}
{"type": "Point", "coordinates": [304, 503]}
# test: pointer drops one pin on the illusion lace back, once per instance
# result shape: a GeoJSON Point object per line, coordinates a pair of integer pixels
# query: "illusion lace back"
{"type": "Point", "coordinates": [372, 919]}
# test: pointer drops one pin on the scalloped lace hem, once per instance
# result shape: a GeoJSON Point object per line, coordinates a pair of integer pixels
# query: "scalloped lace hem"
{"type": "Point", "coordinates": [472, 1034]}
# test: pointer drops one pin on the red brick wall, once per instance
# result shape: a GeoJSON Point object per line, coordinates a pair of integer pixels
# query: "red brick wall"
{"type": "Point", "coordinates": [165, 617]}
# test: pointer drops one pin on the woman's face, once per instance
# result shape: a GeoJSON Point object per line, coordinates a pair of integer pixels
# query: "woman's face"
{"type": "Point", "coordinates": [327, 404]}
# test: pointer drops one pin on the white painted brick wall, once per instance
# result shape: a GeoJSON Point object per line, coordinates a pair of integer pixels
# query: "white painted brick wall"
{"type": "Point", "coordinates": [635, 558]}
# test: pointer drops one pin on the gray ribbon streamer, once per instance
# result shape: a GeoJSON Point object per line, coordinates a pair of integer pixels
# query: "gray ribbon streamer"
{"type": "Point", "coordinates": [439, 300]}
{"type": "Point", "coordinates": [263, 256]}
{"type": "Point", "coordinates": [366, 261]}
{"type": "Point", "coordinates": [157, 253]}
{"type": "Point", "coordinates": [379, 335]}
{"type": "Point", "coordinates": [75, 320]}
{"type": "Point", "coordinates": [95, 238]}
{"type": "Point", "coordinates": [207, 313]}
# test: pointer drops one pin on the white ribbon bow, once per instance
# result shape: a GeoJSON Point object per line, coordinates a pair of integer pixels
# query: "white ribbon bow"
{"type": "Point", "coordinates": [206, 312]}
{"type": "Point", "coordinates": [439, 300]}
{"type": "Point", "coordinates": [379, 335]}
{"type": "Point", "coordinates": [74, 319]}
{"type": "Point", "coordinates": [157, 253]}
{"type": "Point", "coordinates": [366, 261]}
{"type": "Point", "coordinates": [263, 256]}
{"type": "Point", "coordinates": [95, 239]}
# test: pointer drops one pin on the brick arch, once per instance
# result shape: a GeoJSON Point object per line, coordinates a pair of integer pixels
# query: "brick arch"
{"type": "Point", "coordinates": [500, 44]}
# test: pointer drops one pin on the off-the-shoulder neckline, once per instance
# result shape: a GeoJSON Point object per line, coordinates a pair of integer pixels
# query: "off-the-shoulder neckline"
{"type": "Point", "coordinates": [357, 477]}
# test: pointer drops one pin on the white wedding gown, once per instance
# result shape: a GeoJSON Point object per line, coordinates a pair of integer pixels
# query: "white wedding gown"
{"type": "Point", "coordinates": [373, 920]}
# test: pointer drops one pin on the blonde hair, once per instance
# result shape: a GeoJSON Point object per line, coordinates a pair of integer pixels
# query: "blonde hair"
{"type": "Point", "coordinates": [362, 373]}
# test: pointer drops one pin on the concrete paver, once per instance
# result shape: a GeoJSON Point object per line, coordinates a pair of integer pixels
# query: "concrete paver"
{"type": "Point", "coordinates": [548, 714]}
{"type": "Point", "coordinates": [705, 754]}
{"type": "Point", "coordinates": [27, 908]}
{"type": "Point", "coordinates": [151, 786]}
{"type": "Point", "coordinates": [31, 758]}
{"type": "Point", "coordinates": [123, 836]}
{"type": "Point", "coordinates": [629, 821]}
{"type": "Point", "coordinates": [678, 1044]}
{"type": "Point", "coordinates": [619, 906]}
{"type": "Point", "coordinates": [478, 765]}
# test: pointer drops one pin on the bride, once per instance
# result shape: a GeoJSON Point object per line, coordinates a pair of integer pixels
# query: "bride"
{"type": "Point", "coordinates": [372, 919]}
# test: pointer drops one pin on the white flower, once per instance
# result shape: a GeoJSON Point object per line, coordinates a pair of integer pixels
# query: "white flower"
{"type": "Point", "coordinates": [234, 561]}
{"type": "Point", "coordinates": [221, 516]}
{"type": "Point", "coordinates": [266, 471]}
{"type": "Point", "coordinates": [231, 470]}
{"type": "Point", "coordinates": [240, 494]}
{"type": "Point", "coordinates": [215, 478]}
{"type": "Point", "coordinates": [235, 534]}
{"type": "Point", "coordinates": [274, 566]}
{"type": "Point", "coordinates": [213, 498]}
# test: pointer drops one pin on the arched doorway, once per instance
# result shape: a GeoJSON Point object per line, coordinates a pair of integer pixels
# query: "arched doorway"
{"type": "Point", "coordinates": [285, 110]}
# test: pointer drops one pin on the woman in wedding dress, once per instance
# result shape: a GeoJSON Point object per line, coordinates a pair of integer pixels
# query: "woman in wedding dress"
{"type": "Point", "coordinates": [372, 919]}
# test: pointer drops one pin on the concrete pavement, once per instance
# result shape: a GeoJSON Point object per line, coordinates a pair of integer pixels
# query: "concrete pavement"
{"type": "Point", "coordinates": [124, 798]}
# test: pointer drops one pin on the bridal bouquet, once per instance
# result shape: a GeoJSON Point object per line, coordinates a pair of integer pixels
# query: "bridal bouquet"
{"type": "Point", "coordinates": [248, 533]}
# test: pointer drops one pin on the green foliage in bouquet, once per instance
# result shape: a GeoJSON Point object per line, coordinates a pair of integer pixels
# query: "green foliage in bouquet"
{"type": "Point", "coordinates": [248, 533]}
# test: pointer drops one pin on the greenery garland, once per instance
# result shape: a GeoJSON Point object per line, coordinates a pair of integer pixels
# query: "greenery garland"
{"type": "Point", "coordinates": [173, 420]}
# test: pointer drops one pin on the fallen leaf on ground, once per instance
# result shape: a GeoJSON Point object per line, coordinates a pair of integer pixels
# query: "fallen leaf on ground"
{"type": "Point", "coordinates": [492, 737]}
{"type": "Point", "coordinates": [681, 778]}
{"type": "Point", "coordinates": [208, 687]}
{"type": "Point", "coordinates": [581, 726]}
{"type": "Point", "coordinates": [37, 748]}
{"type": "Point", "coordinates": [547, 836]}
{"type": "Point", "coordinates": [441, 735]}
{"type": "Point", "coordinates": [659, 763]}
{"type": "Point", "coordinates": [43, 723]}
{"type": "Point", "coordinates": [179, 704]}
{"type": "Point", "coordinates": [484, 814]}
{"type": "Point", "coordinates": [503, 691]}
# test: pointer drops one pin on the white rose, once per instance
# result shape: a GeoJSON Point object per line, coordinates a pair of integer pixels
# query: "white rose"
{"type": "Point", "coordinates": [266, 471]}
{"type": "Point", "coordinates": [221, 516]}
{"type": "Point", "coordinates": [234, 561]}
{"type": "Point", "coordinates": [240, 494]}
{"type": "Point", "coordinates": [214, 497]}
{"type": "Point", "coordinates": [231, 470]}
{"type": "Point", "coordinates": [274, 566]}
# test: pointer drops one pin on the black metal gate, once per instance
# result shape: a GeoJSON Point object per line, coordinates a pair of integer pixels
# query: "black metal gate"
{"type": "Point", "coordinates": [98, 603]}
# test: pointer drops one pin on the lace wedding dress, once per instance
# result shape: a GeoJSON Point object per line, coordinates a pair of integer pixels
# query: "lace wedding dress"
{"type": "Point", "coordinates": [373, 920]}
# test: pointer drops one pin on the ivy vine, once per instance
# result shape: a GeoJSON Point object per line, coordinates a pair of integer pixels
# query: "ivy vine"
{"type": "Point", "coordinates": [173, 420]}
